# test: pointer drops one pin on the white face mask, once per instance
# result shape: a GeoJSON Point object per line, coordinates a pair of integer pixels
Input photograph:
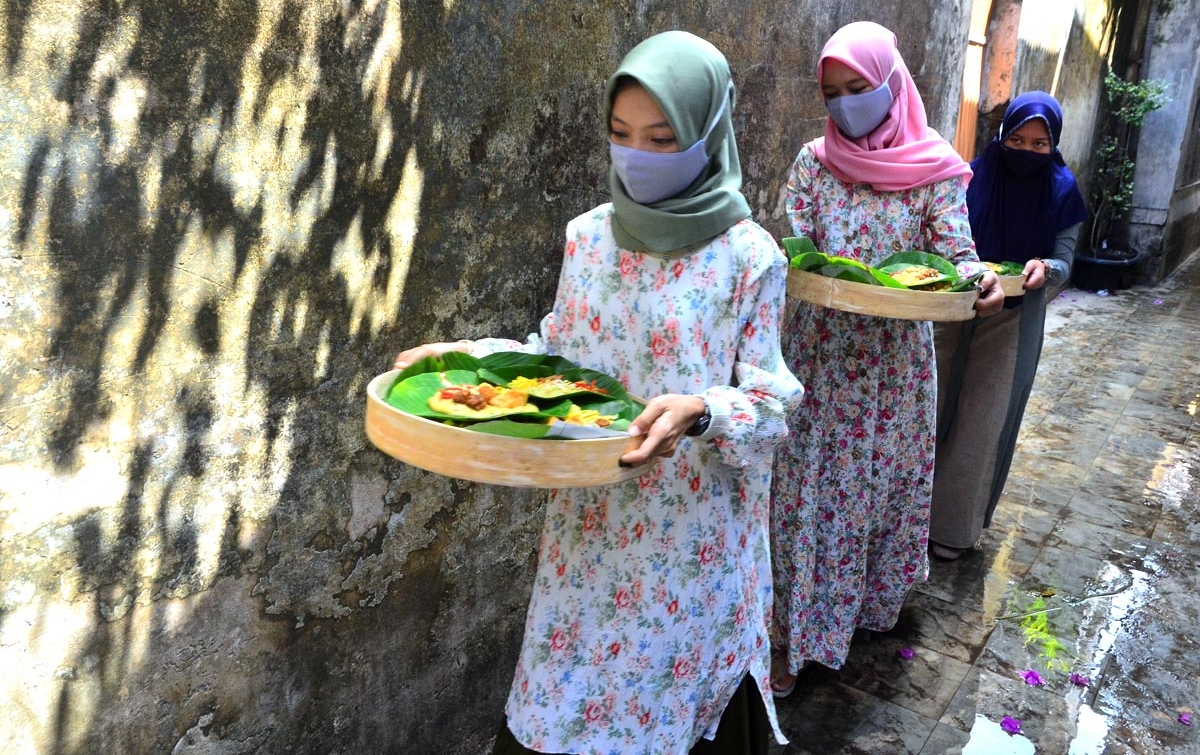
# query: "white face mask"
{"type": "Point", "coordinates": [859, 114]}
{"type": "Point", "coordinates": [650, 177]}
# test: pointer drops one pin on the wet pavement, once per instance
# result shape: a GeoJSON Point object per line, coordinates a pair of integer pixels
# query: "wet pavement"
{"type": "Point", "coordinates": [1091, 567]}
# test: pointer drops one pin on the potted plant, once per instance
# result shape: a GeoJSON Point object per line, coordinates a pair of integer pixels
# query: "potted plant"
{"type": "Point", "coordinates": [1107, 262]}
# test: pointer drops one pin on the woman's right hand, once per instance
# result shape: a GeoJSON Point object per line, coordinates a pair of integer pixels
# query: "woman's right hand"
{"type": "Point", "coordinates": [664, 421]}
{"type": "Point", "coordinates": [991, 298]}
{"type": "Point", "coordinates": [405, 358]}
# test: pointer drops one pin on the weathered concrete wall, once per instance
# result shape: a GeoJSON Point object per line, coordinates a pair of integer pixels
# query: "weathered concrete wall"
{"type": "Point", "coordinates": [1062, 49]}
{"type": "Point", "coordinates": [1065, 48]}
{"type": "Point", "coordinates": [1165, 219]}
{"type": "Point", "coordinates": [218, 221]}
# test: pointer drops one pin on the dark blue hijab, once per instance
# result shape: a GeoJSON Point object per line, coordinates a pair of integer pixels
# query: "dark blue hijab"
{"type": "Point", "coordinates": [1020, 200]}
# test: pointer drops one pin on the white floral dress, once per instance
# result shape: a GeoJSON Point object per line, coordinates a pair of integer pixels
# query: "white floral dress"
{"type": "Point", "coordinates": [652, 597]}
{"type": "Point", "coordinates": [852, 488]}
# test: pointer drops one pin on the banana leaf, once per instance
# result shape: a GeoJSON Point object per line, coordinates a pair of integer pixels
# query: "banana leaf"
{"type": "Point", "coordinates": [880, 278]}
{"type": "Point", "coordinates": [941, 264]}
{"type": "Point", "coordinates": [966, 284]}
{"type": "Point", "coordinates": [514, 427]}
{"type": "Point", "coordinates": [845, 268]}
{"type": "Point", "coordinates": [412, 395]}
{"type": "Point", "coordinates": [885, 279]}
{"type": "Point", "coordinates": [575, 381]}
{"type": "Point", "coordinates": [809, 261]}
{"type": "Point", "coordinates": [1006, 267]}
{"type": "Point", "coordinates": [417, 383]}
{"type": "Point", "coordinates": [557, 365]}
{"type": "Point", "coordinates": [848, 273]}
{"type": "Point", "coordinates": [453, 360]}
{"type": "Point", "coordinates": [894, 272]}
{"type": "Point", "coordinates": [794, 246]}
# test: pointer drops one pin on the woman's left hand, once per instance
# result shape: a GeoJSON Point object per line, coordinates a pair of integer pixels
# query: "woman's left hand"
{"type": "Point", "coordinates": [661, 424]}
{"type": "Point", "coordinates": [1037, 274]}
{"type": "Point", "coordinates": [991, 298]}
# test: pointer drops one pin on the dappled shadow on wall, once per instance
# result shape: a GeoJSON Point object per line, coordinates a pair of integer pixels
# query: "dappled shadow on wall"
{"type": "Point", "coordinates": [207, 217]}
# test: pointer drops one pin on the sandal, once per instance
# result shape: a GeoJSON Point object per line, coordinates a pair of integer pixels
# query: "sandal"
{"type": "Point", "coordinates": [783, 683]}
{"type": "Point", "coordinates": [781, 692]}
{"type": "Point", "coordinates": [945, 552]}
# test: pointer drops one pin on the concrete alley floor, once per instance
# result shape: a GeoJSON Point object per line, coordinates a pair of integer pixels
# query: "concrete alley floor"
{"type": "Point", "coordinates": [1091, 567]}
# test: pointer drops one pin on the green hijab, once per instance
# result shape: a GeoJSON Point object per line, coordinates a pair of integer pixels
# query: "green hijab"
{"type": "Point", "coordinates": [689, 79]}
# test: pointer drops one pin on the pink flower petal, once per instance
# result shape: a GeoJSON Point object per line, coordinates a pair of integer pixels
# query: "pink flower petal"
{"type": "Point", "coordinates": [905, 653]}
{"type": "Point", "coordinates": [1185, 718]}
{"type": "Point", "coordinates": [1011, 725]}
{"type": "Point", "coordinates": [1079, 680]}
{"type": "Point", "coordinates": [1033, 678]}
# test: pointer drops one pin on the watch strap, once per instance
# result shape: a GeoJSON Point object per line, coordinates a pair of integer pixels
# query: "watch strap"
{"type": "Point", "coordinates": [701, 424]}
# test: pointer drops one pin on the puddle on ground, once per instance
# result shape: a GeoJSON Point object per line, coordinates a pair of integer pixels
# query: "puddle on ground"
{"type": "Point", "coordinates": [1084, 645]}
{"type": "Point", "coordinates": [1091, 728]}
{"type": "Point", "coordinates": [1173, 479]}
{"type": "Point", "coordinates": [987, 738]}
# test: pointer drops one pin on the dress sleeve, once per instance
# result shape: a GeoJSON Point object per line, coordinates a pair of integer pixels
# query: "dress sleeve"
{"type": "Point", "coordinates": [948, 226]}
{"type": "Point", "coordinates": [1063, 258]}
{"type": "Point", "coordinates": [749, 419]}
{"type": "Point", "coordinates": [483, 346]}
{"type": "Point", "coordinates": [799, 197]}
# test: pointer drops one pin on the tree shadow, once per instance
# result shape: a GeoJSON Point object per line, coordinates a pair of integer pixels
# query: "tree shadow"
{"type": "Point", "coordinates": [165, 225]}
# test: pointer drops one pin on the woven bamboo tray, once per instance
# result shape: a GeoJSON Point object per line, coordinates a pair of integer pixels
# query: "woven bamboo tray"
{"type": "Point", "coordinates": [494, 459]}
{"type": "Point", "coordinates": [865, 299]}
{"type": "Point", "coordinates": [1013, 285]}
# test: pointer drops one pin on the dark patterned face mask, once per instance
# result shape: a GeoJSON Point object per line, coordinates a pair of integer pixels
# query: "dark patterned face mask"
{"type": "Point", "coordinates": [1022, 162]}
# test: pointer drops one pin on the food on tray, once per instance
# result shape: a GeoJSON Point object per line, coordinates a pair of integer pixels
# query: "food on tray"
{"type": "Point", "coordinates": [922, 271]}
{"type": "Point", "coordinates": [514, 394]}
{"type": "Point", "coordinates": [915, 276]}
{"type": "Point", "coordinates": [552, 386]}
{"type": "Point", "coordinates": [843, 268]}
{"type": "Point", "coordinates": [577, 416]}
{"type": "Point", "coordinates": [915, 270]}
{"type": "Point", "coordinates": [1006, 268]}
{"type": "Point", "coordinates": [482, 401]}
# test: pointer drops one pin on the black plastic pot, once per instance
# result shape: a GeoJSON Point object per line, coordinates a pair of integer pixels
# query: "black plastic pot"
{"type": "Point", "coordinates": [1111, 272]}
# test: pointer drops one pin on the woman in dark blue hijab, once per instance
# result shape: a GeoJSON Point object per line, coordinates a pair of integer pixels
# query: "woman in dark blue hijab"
{"type": "Point", "coordinates": [1023, 194]}
{"type": "Point", "coordinates": [1025, 207]}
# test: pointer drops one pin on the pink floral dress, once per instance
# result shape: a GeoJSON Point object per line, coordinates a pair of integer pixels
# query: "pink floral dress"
{"type": "Point", "coordinates": [652, 597]}
{"type": "Point", "coordinates": [852, 488]}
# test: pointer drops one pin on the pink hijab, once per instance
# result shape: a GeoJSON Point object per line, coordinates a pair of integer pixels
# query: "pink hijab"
{"type": "Point", "coordinates": [902, 152]}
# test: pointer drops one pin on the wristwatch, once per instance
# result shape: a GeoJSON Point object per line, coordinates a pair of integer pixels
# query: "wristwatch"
{"type": "Point", "coordinates": [702, 423]}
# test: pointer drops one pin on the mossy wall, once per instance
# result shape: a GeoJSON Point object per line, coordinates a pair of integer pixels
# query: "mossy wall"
{"type": "Point", "coordinates": [218, 221]}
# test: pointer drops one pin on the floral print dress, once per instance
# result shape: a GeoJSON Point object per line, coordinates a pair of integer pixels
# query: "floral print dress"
{"type": "Point", "coordinates": [852, 488]}
{"type": "Point", "coordinates": [652, 597]}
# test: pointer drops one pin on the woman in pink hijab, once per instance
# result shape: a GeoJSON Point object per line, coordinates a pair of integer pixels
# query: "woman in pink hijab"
{"type": "Point", "coordinates": [852, 485]}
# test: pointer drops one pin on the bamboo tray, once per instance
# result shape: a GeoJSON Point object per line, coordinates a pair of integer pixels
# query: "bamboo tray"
{"type": "Point", "coordinates": [865, 299]}
{"type": "Point", "coordinates": [494, 459]}
{"type": "Point", "coordinates": [1013, 285]}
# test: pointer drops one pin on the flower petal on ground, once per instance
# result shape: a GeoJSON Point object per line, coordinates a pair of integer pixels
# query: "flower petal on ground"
{"type": "Point", "coordinates": [1185, 718]}
{"type": "Point", "coordinates": [905, 653]}
{"type": "Point", "coordinates": [1079, 680]}
{"type": "Point", "coordinates": [1033, 678]}
{"type": "Point", "coordinates": [1011, 725]}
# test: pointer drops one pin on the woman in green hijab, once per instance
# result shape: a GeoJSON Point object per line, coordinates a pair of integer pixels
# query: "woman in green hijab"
{"type": "Point", "coordinates": [646, 632]}
{"type": "Point", "coordinates": [665, 202]}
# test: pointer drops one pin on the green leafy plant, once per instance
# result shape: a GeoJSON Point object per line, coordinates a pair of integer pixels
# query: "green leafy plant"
{"type": "Point", "coordinates": [1112, 181]}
